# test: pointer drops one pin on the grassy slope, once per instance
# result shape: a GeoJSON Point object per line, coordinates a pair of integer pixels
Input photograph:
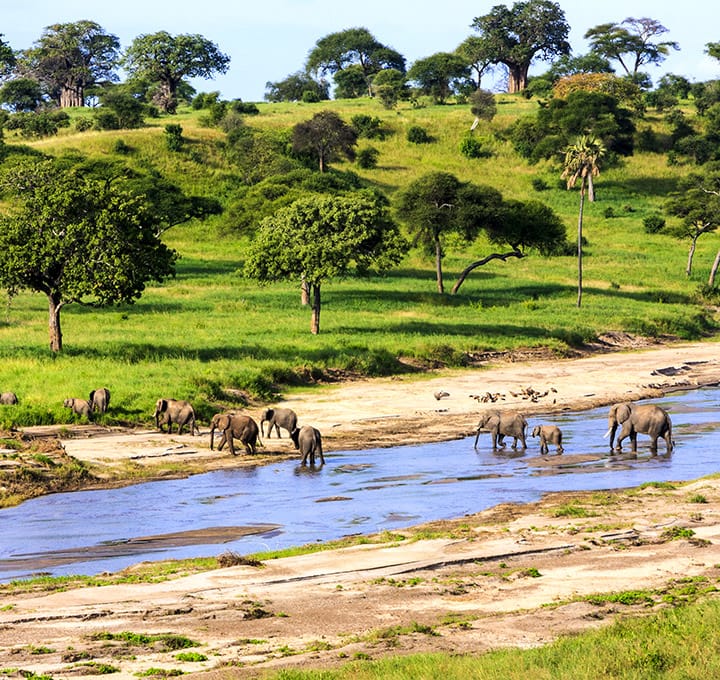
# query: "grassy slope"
{"type": "Point", "coordinates": [209, 329]}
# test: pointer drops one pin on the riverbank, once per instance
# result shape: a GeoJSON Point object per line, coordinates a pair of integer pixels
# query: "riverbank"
{"type": "Point", "coordinates": [511, 575]}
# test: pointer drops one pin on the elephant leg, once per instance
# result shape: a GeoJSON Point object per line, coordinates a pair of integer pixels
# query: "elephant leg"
{"type": "Point", "coordinates": [633, 441]}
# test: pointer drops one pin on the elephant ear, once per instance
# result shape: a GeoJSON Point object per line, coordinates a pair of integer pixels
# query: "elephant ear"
{"type": "Point", "coordinates": [622, 412]}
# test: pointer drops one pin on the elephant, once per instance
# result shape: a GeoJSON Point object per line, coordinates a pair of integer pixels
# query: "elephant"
{"type": "Point", "coordinates": [169, 411]}
{"type": "Point", "coordinates": [278, 417]}
{"type": "Point", "coordinates": [100, 399]}
{"type": "Point", "coordinates": [8, 398]}
{"type": "Point", "coordinates": [549, 434]}
{"type": "Point", "coordinates": [308, 441]}
{"type": "Point", "coordinates": [639, 418]}
{"type": "Point", "coordinates": [80, 407]}
{"type": "Point", "coordinates": [501, 424]}
{"type": "Point", "coordinates": [234, 426]}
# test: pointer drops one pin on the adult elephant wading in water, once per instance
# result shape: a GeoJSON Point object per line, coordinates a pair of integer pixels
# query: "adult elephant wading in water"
{"type": "Point", "coordinates": [637, 419]}
{"type": "Point", "coordinates": [503, 424]}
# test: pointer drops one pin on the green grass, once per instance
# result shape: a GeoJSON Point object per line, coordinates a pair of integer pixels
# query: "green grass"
{"type": "Point", "coordinates": [209, 331]}
{"type": "Point", "coordinates": [676, 643]}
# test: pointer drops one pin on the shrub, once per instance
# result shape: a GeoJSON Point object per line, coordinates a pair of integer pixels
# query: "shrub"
{"type": "Point", "coordinates": [539, 184]}
{"type": "Point", "coordinates": [472, 147]}
{"type": "Point", "coordinates": [418, 135]}
{"type": "Point", "coordinates": [173, 136]}
{"type": "Point", "coordinates": [653, 223]}
{"type": "Point", "coordinates": [368, 126]}
{"type": "Point", "coordinates": [367, 158]}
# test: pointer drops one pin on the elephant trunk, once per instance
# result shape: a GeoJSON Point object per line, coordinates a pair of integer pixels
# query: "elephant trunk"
{"type": "Point", "coordinates": [212, 435]}
{"type": "Point", "coordinates": [611, 433]}
{"type": "Point", "coordinates": [477, 436]}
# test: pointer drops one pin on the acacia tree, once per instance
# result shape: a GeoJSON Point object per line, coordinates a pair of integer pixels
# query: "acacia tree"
{"type": "Point", "coordinates": [439, 204]}
{"type": "Point", "coordinates": [167, 60]}
{"type": "Point", "coordinates": [324, 237]}
{"type": "Point", "coordinates": [7, 59]}
{"type": "Point", "coordinates": [69, 58]}
{"type": "Point", "coordinates": [353, 47]}
{"type": "Point", "coordinates": [326, 136]}
{"type": "Point", "coordinates": [582, 164]}
{"type": "Point", "coordinates": [697, 203]}
{"type": "Point", "coordinates": [630, 43]}
{"type": "Point", "coordinates": [440, 74]}
{"type": "Point", "coordinates": [77, 240]}
{"type": "Point", "coordinates": [516, 36]}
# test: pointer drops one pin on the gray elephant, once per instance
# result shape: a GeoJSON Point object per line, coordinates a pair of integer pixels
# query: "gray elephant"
{"type": "Point", "coordinates": [8, 398]}
{"type": "Point", "coordinates": [277, 418]}
{"type": "Point", "coordinates": [100, 399]}
{"type": "Point", "coordinates": [308, 441]}
{"type": "Point", "coordinates": [549, 434]}
{"type": "Point", "coordinates": [169, 411]}
{"type": "Point", "coordinates": [501, 424]}
{"type": "Point", "coordinates": [80, 407]}
{"type": "Point", "coordinates": [234, 426]}
{"type": "Point", "coordinates": [635, 419]}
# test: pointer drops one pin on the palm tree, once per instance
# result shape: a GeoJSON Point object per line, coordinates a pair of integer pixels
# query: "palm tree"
{"type": "Point", "coordinates": [581, 163]}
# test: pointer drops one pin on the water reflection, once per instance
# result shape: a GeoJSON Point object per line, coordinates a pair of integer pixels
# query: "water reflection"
{"type": "Point", "coordinates": [286, 504]}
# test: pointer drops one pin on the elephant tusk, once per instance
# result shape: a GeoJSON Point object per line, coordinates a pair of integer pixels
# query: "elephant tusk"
{"type": "Point", "coordinates": [607, 434]}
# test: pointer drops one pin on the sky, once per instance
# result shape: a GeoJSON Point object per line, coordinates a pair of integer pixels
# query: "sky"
{"type": "Point", "coordinates": [267, 40]}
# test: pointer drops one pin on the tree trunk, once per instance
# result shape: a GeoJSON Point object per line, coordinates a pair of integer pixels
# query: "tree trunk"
{"type": "Point", "coordinates": [713, 270]}
{"type": "Point", "coordinates": [691, 254]}
{"type": "Point", "coordinates": [71, 95]}
{"type": "Point", "coordinates": [54, 306]}
{"type": "Point", "coordinates": [315, 323]}
{"type": "Point", "coordinates": [517, 77]}
{"type": "Point", "coordinates": [579, 245]}
{"type": "Point", "coordinates": [480, 263]}
{"type": "Point", "coordinates": [438, 266]}
{"type": "Point", "coordinates": [304, 291]}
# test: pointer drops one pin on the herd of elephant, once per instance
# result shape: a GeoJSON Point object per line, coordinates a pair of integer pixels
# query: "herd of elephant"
{"type": "Point", "coordinates": [634, 419]}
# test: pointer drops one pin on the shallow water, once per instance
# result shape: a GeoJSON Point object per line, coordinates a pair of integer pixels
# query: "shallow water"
{"type": "Point", "coordinates": [355, 492]}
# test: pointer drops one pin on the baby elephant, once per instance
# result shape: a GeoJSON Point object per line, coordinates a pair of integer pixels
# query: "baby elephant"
{"type": "Point", "coordinates": [8, 398]}
{"type": "Point", "coordinates": [308, 441]}
{"type": "Point", "coordinates": [80, 407]}
{"type": "Point", "coordinates": [100, 399]}
{"type": "Point", "coordinates": [549, 434]}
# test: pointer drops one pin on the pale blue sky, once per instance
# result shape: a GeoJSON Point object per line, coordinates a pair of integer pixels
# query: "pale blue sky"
{"type": "Point", "coordinates": [269, 39]}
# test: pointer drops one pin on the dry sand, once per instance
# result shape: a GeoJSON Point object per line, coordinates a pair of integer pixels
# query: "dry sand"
{"type": "Point", "coordinates": [481, 587]}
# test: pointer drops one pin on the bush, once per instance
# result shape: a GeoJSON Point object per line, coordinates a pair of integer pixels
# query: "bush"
{"type": "Point", "coordinates": [367, 158]}
{"type": "Point", "coordinates": [653, 223]}
{"type": "Point", "coordinates": [83, 124]}
{"type": "Point", "coordinates": [472, 147]}
{"type": "Point", "coordinates": [368, 126]}
{"type": "Point", "coordinates": [173, 136]}
{"type": "Point", "coordinates": [539, 184]}
{"type": "Point", "coordinates": [418, 135]}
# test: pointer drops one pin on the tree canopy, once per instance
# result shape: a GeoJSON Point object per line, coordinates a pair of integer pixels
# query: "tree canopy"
{"type": "Point", "coordinates": [440, 75]}
{"type": "Point", "coordinates": [297, 87]}
{"type": "Point", "coordinates": [325, 136]}
{"type": "Point", "coordinates": [79, 239]}
{"type": "Point", "coordinates": [516, 36]}
{"type": "Point", "coordinates": [69, 58]}
{"type": "Point", "coordinates": [167, 60]}
{"type": "Point", "coordinates": [353, 47]}
{"type": "Point", "coordinates": [324, 237]}
{"type": "Point", "coordinates": [630, 43]}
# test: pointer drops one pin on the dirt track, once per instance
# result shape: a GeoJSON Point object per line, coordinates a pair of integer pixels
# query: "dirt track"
{"type": "Point", "coordinates": [482, 584]}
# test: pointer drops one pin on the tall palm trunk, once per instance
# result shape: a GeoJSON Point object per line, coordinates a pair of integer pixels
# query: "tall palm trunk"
{"type": "Point", "coordinates": [579, 243]}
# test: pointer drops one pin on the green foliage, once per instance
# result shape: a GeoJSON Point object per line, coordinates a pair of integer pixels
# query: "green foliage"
{"type": "Point", "coordinates": [440, 75]}
{"type": "Point", "coordinates": [297, 87]}
{"type": "Point", "coordinates": [367, 157]}
{"type": "Point", "coordinates": [472, 147]}
{"type": "Point", "coordinates": [173, 137]}
{"type": "Point", "coordinates": [326, 137]}
{"type": "Point", "coordinates": [417, 134]}
{"type": "Point", "coordinates": [36, 125]}
{"type": "Point", "coordinates": [370, 127]}
{"type": "Point", "coordinates": [653, 223]}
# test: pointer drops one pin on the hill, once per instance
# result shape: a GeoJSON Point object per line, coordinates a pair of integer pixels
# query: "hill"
{"type": "Point", "coordinates": [220, 340]}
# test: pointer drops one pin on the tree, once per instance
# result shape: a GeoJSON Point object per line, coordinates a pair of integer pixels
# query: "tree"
{"type": "Point", "coordinates": [582, 164]}
{"type": "Point", "coordinates": [440, 75]}
{"type": "Point", "coordinates": [630, 43]}
{"type": "Point", "coordinates": [520, 225]}
{"type": "Point", "coordinates": [319, 238]}
{"type": "Point", "coordinates": [326, 136]}
{"type": "Point", "coordinates": [697, 204]}
{"type": "Point", "coordinates": [69, 58]}
{"type": "Point", "coordinates": [476, 53]}
{"type": "Point", "coordinates": [297, 87]}
{"type": "Point", "coordinates": [353, 46]}
{"type": "Point", "coordinates": [516, 36]}
{"type": "Point", "coordinates": [389, 86]}
{"type": "Point", "coordinates": [167, 60]}
{"type": "Point", "coordinates": [78, 239]}
{"type": "Point", "coordinates": [7, 59]}
{"type": "Point", "coordinates": [438, 204]}
{"type": "Point", "coordinates": [21, 94]}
